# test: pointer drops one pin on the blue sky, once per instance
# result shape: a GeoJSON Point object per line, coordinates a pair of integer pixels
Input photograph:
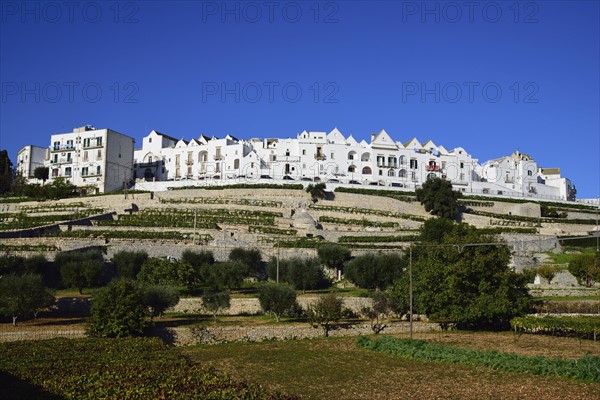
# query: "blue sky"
{"type": "Point", "coordinates": [491, 77]}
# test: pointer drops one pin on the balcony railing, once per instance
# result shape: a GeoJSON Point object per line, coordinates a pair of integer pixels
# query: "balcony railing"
{"type": "Point", "coordinates": [189, 162]}
{"type": "Point", "coordinates": [62, 148]}
{"type": "Point", "coordinates": [435, 168]}
{"type": "Point", "coordinates": [320, 157]}
{"type": "Point", "coordinates": [217, 157]}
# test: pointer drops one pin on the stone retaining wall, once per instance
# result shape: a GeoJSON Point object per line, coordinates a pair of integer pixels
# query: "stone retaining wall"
{"type": "Point", "coordinates": [183, 336]}
{"type": "Point", "coordinates": [41, 335]}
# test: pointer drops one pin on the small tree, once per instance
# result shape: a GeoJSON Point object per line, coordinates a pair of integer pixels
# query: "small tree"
{"type": "Point", "coordinates": [200, 263]}
{"type": "Point", "coordinates": [383, 304]}
{"type": "Point", "coordinates": [586, 268]}
{"type": "Point", "coordinates": [6, 172]}
{"type": "Point", "coordinates": [227, 275]}
{"type": "Point", "coordinates": [159, 298]}
{"type": "Point", "coordinates": [157, 271]}
{"type": "Point", "coordinates": [81, 273]}
{"type": "Point", "coordinates": [118, 310]}
{"type": "Point", "coordinates": [375, 271]}
{"type": "Point", "coordinates": [41, 173]}
{"type": "Point", "coordinates": [305, 274]}
{"type": "Point", "coordinates": [325, 313]}
{"type": "Point", "coordinates": [333, 256]}
{"type": "Point", "coordinates": [276, 299]}
{"type": "Point", "coordinates": [23, 295]}
{"type": "Point", "coordinates": [438, 198]}
{"type": "Point", "coordinates": [251, 258]}
{"type": "Point", "coordinates": [216, 302]}
{"type": "Point", "coordinates": [316, 191]}
{"type": "Point", "coordinates": [129, 263]}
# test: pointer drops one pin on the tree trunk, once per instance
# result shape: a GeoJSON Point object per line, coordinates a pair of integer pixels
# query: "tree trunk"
{"type": "Point", "coordinates": [14, 320]}
{"type": "Point", "coordinates": [80, 290]}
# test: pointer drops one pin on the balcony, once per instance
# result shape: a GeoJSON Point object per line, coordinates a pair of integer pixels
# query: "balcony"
{"type": "Point", "coordinates": [189, 162]}
{"type": "Point", "coordinates": [320, 157]}
{"type": "Point", "coordinates": [62, 148]}
{"type": "Point", "coordinates": [433, 168]}
{"type": "Point", "coordinates": [217, 157]}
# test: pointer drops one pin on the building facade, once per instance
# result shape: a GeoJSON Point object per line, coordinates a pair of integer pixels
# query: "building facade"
{"type": "Point", "coordinates": [98, 159]}
{"type": "Point", "coordinates": [336, 159]}
{"type": "Point", "coordinates": [29, 158]}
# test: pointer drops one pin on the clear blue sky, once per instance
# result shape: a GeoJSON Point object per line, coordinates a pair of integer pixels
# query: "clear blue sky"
{"type": "Point", "coordinates": [432, 70]}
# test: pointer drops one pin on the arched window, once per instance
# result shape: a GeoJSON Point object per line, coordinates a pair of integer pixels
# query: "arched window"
{"type": "Point", "coordinates": [236, 163]}
{"type": "Point", "coordinates": [430, 176]}
{"type": "Point", "coordinates": [352, 168]}
{"type": "Point", "coordinates": [365, 157]}
{"type": "Point", "coordinates": [352, 155]}
{"type": "Point", "coordinates": [366, 171]}
{"type": "Point", "coordinates": [402, 160]}
{"type": "Point", "coordinates": [391, 173]}
{"type": "Point", "coordinates": [402, 173]}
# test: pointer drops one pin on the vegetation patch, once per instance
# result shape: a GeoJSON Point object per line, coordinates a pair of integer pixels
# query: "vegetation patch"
{"type": "Point", "coordinates": [583, 326]}
{"type": "Point", "coordinates": [586, 368]}
{"type": "Point", "coordinates": [114, 368]}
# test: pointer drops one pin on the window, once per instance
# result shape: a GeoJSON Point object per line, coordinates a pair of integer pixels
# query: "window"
{"type": "Point", "coordinates": [149, 140]}
{"type": "Point", "coordinates": [413, 163]}
{"type": "Point", "coordinates": [56, 145]}
{"type": "Point", "coordinates": [303, 152]}
{"type": "Point", "coordinates": [68, 157]}
{"type": "Point", "coordinates": [402, 173]}
{"type": "Point", "coordinates": [55, 172]}
{"type": "Point", "coordinates": [99, 141]}
{"type": "Point", "coordinates": [99, 155]}
{"type": "Point", "coordinates": [69, 144]}
{"type": "Point", "coordinates": [56, 158]}
{"type": "Point", "coordinates": [98, 170]}
{"type": "Point", "coordinates": [84, 171]}
{"type": "Point", "coordinates": [413, 176]}
{"type": "Point", "coordinates": [380, 172]}
{"type": "Point", "coordinates": [402, 160]}
{"type": "Point", "coordinates": [85, 155]}
{"type": "Point", "coordinates": [287, 153]}
{"type": "Point", "coordinates": [86, 142]}
{"type": "Point", "coordinates": [332, 156]}
{"type": "Point", "coordinates": [462, 165]}
{"type": "Point", "coordinates": [68, 171]}
{"type": "Point", "coordinates": [529, 173]}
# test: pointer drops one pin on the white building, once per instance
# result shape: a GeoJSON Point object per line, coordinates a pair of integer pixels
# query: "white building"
{"type": "Point", "coordinates": [101, 159]}
{"type": "Point", "coordinates": [332, 157]}
{"type": "Point", "coordinates": [29, 158]}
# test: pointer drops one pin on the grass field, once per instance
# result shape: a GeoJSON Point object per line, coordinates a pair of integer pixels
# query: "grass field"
{"type": "Point", "coordinates": [337, 368]}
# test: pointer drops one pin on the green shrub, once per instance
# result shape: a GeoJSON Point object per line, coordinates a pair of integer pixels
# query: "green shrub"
{"type": "Point", "coordinates": [118, 310]}
{"type": "Point", "coordinates": [276, 299]}
{"type": "Point", "coordinates": [159, 298]}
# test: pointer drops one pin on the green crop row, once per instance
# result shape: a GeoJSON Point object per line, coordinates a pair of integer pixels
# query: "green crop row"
{"type": "Point", "coordinates": [473, 203]}
{"type": "Point", "coordinates": [271, 231]}
{"type": "Point", "coordinates": [12, 221]}
{"type": "Point", "coordinates": [356, 210]}
{"type": "Point", "coordinates": [407, 197]}
{"type": "Point", "coordinates": [502, 229]}
{"type": "Point", "coordinates": [564, 326]}
{"type": "Point", "coordinates": [127, 368]}
{"type": "Point", "coordinates": [572, 205]}
{"type": "Point", "coordinates": [532, 219]}
{"type": "Point", "coordinates": [377, 239]}
{"type": "Point", "coordinates": [131, 234]}
{"type": "Point", "coordinates": [586, 369]}
{"type": "Point", "coordinates": [358, 222]}
{"type": "Point", "coordinates": [256, 186]}
{"type": "Point", "coordinates": [216, 200]}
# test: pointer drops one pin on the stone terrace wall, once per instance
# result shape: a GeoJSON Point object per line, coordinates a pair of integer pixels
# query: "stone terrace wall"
{"type": "Point", "coordinates": [182, 336]}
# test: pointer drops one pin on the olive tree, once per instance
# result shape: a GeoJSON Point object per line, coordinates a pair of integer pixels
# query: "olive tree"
{"type": "Point", "coordinates": [23, 295]}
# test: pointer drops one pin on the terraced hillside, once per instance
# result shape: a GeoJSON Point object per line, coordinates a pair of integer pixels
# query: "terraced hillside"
{"type": "Point", "coordinates": [166, 223]}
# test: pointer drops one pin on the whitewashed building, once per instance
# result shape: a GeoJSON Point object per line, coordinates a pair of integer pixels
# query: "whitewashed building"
{"type": "Point", "coordinates": [339, 160]}
{"type": "Point", "coordinates": [29, 158]}
{"type": "Point", "coordinates": [101, 159]}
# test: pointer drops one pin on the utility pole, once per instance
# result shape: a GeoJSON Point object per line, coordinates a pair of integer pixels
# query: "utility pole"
{"type": "Point", "coordinates": [540, 232]}
{"type": "Point", "coordinates": [277, 280]}
{"type": "Point", "coordinates": [410, 289]}
{"type": "Point", "coordinates": [195, 216]}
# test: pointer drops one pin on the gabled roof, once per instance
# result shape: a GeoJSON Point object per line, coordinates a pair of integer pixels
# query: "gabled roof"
{"type": "Point", "coordinates": [181, 143]}
{"type": "Point", "coordinates": [382, 139]}
{"type": "Point", "coordinates": [442, 150]}
{"type": "Point", "coordinates": [429, 145]}
{"type": "Point", "coordinates": [165, 136]}
{"type": "Point", "coordinates": [203, 138]}
{"type": "Point", "coordinates": [413, 144]}
{"type": "Point", "coordinates": [232, 138]}
{"type": "Point", "coordinates": [363, 143]}
{"type": "Point", "coordinates": [351, 141]}
{"type": "Point", "coordinates": [336, 136]}
{"type": "Point", "coordinates": [193, 142]}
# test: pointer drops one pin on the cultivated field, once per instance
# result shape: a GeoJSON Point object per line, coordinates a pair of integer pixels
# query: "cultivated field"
{"type": "Point", "coordinates": [337, 368]}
